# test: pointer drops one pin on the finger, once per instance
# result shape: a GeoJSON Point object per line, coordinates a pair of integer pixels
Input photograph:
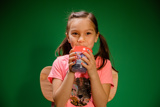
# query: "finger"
{"type": "Point", "coordinates": [85, 60]}
{"type": "Point", "coordinates": [71, 64]}
{"type": "Point", "coordinates": [71, 51]}
{"type": "Point", "coordinates": [84, 65]}
{"type": "Point", "coordinates": [72, 54]}
{"type": "Point", "coordinates": [72, 58]}
{"type": "Point", "coordinates": [90, 53]}
{"type": "Point", "coordinates": [87, 55]}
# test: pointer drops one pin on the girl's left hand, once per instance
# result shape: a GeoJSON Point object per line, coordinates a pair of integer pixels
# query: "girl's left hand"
{"type": "Point", "coordinates": [91, 63]}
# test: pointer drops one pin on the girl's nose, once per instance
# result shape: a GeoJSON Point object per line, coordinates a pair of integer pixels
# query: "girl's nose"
{"type": "Point", "coordinates": [81, 39]}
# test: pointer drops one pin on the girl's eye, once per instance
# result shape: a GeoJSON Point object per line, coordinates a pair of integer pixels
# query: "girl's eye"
{"type": "Point", "coordinates": [74, 33]}
{"type": "Point", "coordinates": [88, 33]}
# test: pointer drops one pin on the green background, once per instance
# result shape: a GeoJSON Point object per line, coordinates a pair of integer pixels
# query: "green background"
{"type": "Point", "coordinates": [32, 30]}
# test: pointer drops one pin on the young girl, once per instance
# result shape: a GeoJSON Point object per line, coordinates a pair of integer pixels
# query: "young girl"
{"type": "Point", "coordinates": [70, 88]}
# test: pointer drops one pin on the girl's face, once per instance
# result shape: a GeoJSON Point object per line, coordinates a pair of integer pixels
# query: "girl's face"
{"type": "Point", "coordinates": [82, 33]}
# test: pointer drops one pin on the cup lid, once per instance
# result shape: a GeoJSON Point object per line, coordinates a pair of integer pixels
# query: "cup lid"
{"type": "Point", "coordinates": [81, 48]}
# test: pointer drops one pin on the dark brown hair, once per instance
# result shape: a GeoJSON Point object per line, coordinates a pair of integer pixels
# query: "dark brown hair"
{"type": "Point", "coordinates": [103, 52]}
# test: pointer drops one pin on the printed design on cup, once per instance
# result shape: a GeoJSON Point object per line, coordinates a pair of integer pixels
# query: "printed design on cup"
{"type": "Point", "coordinates": [78, 66]}
{"type": "Point", "coordinates": [81, 92]}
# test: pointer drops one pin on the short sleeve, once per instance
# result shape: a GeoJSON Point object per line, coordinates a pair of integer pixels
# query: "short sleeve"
{"type": "Point", "coordinates": [106, 74]}
{"type": "Point", "coordinates": [56, 71]}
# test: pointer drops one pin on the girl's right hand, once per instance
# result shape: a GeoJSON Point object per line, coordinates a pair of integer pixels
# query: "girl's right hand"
{"type": "Point", "coordinates": [72, 59]}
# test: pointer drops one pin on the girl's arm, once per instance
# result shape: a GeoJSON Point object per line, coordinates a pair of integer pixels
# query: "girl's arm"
{"type": "Point", "coordinates": [62, 89]}
{"type": "Point", "coordinates": [100, 92]}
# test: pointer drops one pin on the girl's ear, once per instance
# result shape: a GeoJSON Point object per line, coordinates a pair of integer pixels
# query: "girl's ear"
{"type": "Point", "coordinates": [67, 37]}
{"type": "Point", "coordinates": [97, 35]}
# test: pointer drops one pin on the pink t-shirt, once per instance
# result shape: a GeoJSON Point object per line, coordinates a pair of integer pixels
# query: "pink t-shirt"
{"type": "Point", "coordinates": [81, 90]}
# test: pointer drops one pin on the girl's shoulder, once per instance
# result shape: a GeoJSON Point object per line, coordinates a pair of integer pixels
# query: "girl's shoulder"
{"type": "Point", "coordinates": [63, 58]}
{"type": "Point", "coordinates": [99, 61]}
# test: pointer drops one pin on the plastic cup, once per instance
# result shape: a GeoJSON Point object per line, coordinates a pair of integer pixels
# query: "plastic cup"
{"type": "Point", "coordinates": [77, 67]}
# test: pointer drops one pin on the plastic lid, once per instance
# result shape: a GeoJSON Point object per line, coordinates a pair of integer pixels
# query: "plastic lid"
{"type": "Point", "coordinates": [81, 48]}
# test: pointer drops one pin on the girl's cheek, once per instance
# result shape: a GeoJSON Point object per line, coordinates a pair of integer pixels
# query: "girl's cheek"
{"type": "Point", "coordinates": [72, 44]}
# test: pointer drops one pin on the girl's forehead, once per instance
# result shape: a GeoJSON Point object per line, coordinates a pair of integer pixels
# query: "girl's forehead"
{"type": "Point", "coordinates": [81, 23]}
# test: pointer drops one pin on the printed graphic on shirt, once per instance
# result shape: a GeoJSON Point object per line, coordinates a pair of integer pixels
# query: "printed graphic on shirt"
{"type": "Point", "coordinates": [81, 92]}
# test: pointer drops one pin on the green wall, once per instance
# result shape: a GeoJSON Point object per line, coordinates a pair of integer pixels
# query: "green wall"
{"type": "Point", "coordinates": [32, 30]}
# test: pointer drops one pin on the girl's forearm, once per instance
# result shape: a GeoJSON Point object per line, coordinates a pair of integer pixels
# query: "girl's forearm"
{"type": "Point", "coordinates": [63, 92]}
{"type": "Point", "coordinates": [99, 96]}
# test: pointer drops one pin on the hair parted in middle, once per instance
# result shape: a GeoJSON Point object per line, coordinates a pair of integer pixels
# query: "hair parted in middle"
{"type": "Point", "coordinates": [103, 51]}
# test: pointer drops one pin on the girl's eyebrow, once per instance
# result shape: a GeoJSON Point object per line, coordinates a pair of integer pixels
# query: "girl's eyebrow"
{"type": "Point", "coordinates": [85, 30]}
{"type": "Point", "coordinates": [91, 29]}
{"type": "Point", "coordinates": [73, 30]}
